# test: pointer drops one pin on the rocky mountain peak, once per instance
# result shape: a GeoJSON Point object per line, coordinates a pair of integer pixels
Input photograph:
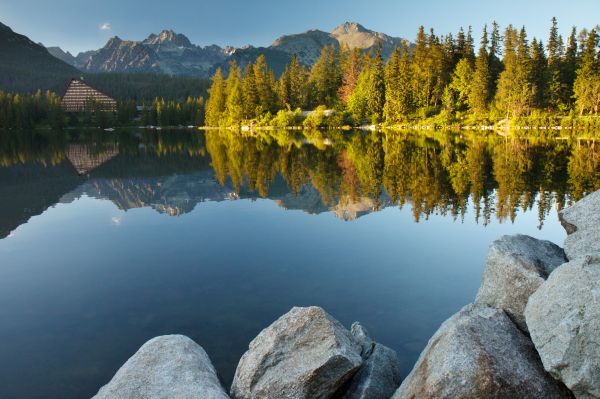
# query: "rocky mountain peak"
{"type": "Point", "coordinates": [114, 41]}
{"type": "Point", "coordinates": [349, 27]}
{"type": "Point", "coordinates": [169, 38]}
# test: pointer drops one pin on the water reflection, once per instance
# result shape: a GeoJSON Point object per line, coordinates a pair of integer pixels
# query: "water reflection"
{"type": "Point", "coordinates": [83, 285]}
{"type": "Point", "coordinates": [348, 173]}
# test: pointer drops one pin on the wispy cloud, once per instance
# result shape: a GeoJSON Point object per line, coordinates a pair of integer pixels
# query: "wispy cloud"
{"type": "Point", "coordinates": [105, 26]}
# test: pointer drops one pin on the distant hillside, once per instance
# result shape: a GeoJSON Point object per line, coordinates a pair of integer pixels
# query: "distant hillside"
{"type": "Point", "coordinates": [147, 86]}
{"type": "Point", "coordinates": [276, 59]}
{"type": "Point", "coordinates": [26, 66]}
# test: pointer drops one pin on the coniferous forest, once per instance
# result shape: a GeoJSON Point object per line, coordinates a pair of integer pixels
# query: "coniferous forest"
{"type": "Point", "coordinates": [444, 80]}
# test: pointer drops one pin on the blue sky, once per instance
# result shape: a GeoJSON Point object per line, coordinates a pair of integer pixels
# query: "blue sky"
{"type": "Point", "coordinates": [78, 25]}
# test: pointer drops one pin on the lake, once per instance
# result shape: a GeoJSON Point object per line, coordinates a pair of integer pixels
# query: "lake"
{"type": "Point", "coordinates": [110, 239]}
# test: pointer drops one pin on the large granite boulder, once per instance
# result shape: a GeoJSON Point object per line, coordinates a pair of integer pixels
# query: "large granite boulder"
{"type": "Point", "coordinates": [379, 376]}
{"type": "Point", "coordinates": [479, 353]}
{"type": "Point", "coordinates": [515, 267]}
{"type": "Point", "coordinates": [306, 353]}
{"type": "Point", "coordinates": [170, 366]}
{"type": "Point", "coordinates": [582, 222]}
{"type": "Point", "coordinates": [563, 316]}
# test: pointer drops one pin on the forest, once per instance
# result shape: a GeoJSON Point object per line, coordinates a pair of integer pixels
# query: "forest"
{"type": "Point", "coordinates": [438, 80]}
{"type": "Point", "coordinates": [27, 111]}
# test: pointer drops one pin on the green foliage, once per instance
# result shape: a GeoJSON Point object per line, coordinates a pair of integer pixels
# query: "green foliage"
{"type": "Point", "coordinates": [287, 118]}
{"type": "Point", "coordinates": [587, 84]}
{"type": "Point", "coordinates": [439, 79]}
{"type": "Point", "coordinates": [26, 111]}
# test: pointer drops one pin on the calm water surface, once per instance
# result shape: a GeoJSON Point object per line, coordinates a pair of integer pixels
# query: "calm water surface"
{"type": "Point", "coordinates": [107, 240]}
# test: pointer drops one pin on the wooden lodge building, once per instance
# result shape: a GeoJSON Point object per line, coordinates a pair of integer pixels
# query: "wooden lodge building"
{"type": "Point", "coordinates": [80, 96]}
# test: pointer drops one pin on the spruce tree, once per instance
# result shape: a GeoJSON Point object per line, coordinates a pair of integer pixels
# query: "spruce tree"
{"type": "Point", "coordinates": [480, 88]}
{"type": "Point", "coordinates": [554, 83]}
{"type": "Point", "coordinates": [569, 68]}
{"type": "Point", "coordinates": [392, 91]}
{"type": "Point", "coordinates": [587, 84]}
{"type": "Point", "coordinates": [539, 73]}
{"type": "Point", "coordinates": [377, 87]}
{"type": "Point", "coordinates": [250, 93]}
{"type": "Point", "coordinates": [233, 113]}
{"type": "Point", "coordinates": [216, 100]}
{"type": "Point", "coordinates": [265, 86]}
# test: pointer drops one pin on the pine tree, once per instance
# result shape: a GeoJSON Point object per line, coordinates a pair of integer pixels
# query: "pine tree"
{"type": "Point", "coordinates": [468, 51]}
{"type": "Point", "coordinates": [284, 88]}
{"type": "Point", "coordinates": [358, 101]}
{"type": "Point", "coordinates": [554, 82]}
{"type": "Point", "coordinates": [515, 90]}
{"type": "Point", "coordinates": [587, 84]}
{"type": "Point", "coordinates": [569, 68]}
{"type": "Point", "coordinates": [480, 88]}
{"type": "Point", "coordinates": [392, 91]}
{"type": "Point", "coordinates": [377, 87]}
{"type": "Point", "coordinates": [250, 93]}
{"type": "Point", "coordinates": [539, 73]}
{"type": "Point", "coordinates": [234, 112]}
{"type": "Point", "coordinates": [325, 77]}
{"type": "Point", "coordinates": [496, 65]}
{"type": "Point", "coordinates": [265, 86]}
{"type": "Point", "coordinates": [298, 78]}
{"type": "Point", "coordinates": [216, 99]}
{"type": "Point", "coordinates": [456, 94]}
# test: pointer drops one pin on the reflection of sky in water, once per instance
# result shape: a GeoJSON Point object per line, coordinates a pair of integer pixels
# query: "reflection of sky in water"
{"type": "Point", "coordinates": [84, 284]}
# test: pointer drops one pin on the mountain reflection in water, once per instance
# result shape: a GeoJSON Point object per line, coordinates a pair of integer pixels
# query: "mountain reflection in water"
{"type": "Point", "coordinates": [348, 173]}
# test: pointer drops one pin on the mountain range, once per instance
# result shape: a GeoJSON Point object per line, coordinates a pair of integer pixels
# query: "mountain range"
{"type": "Point", "coordinates": [174, 54]}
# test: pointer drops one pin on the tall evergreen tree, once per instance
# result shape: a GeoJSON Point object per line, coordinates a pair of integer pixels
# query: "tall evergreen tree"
{"type": "Point", "coordinates": [265, 86]}
{"type": "Point", "coordinates": [555, 76]}
{"type": "Point", "coordinates": [569, 68]}
{"type": "Point", "coordinates": [377, 87]}
{"type": "Point", "coordinates": [496, 65]}
{"type": "Point", "coordinates": [216, 99]}
{"type": "Point", "coordinates": [539, 73]}
{"type": "Point", "coordinates": [234, 111]}
{"type": "Point", "coordinates": [515, 90]}
{"type": "Point", "coordinates": [480, 88]}
{"type": "Point", "coordinates": [250, 93]}
{"type": "Point", "coordinates": [587, 84]}
{"type": "Point", "coordinates": [326, 77]}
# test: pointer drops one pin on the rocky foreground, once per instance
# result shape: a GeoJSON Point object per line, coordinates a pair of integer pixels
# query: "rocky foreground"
{"type": "Point", "coordinates": [532, 332]}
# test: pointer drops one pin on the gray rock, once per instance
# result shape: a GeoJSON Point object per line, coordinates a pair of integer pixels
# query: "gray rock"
{"type": "Point", "coordinates": [379, 376]}
{"type": "Point", "coordinates": [306, 353]}
{"type": "Point", "coordinates": [563, 316]}
{"type": "Point", "coordinates": [582, 221]}
{"type": "Point", "coordinates": [479, 353]}
{"type": "Point", "coordinates": [170, 366]}
{"type": "Point", "coordinates": [362, 336]}
{"type": "Point", "coordinates": [515, 267]}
